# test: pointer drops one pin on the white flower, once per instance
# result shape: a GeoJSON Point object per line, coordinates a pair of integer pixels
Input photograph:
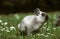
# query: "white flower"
{"type": "Point", "coordinates": [2, 29]}
{"type": "Point", "coordinates": [38, 34]}
{"type": "Point", "coordinates": [48, 29]}
{"type": "Point", "coordinates": [54, 28]}
{"type": "Point", "coordinates": [52, 34]}
{"type": "Point", "coordinates": [12, 28]}
{"type": "Point", "coordinates": [42, 34]}
{"type": "Point", "coordinates": [0, 21]}
{"type": "Point", "coordinates": [7, 29]}
{"type": "Point", "coordinates": [31, 34]}
{"type": "Point", "coordinates": [48, 33]}
{"type": "Point", "coordinates": [44, 27]}
{"type": "Point", "coordinates": [45, 23]}
{"type": "Point", "coordinates": [5, 23]}
{"type": "Point", "coordinates": [16, 16]}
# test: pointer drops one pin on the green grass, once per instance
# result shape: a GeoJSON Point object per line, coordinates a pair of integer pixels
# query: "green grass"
{"type": "Point", "coordinates": [9, 30]}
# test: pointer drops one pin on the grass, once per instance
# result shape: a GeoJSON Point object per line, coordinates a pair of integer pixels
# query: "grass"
{"type": "Point", "coordinates": [9, 30]}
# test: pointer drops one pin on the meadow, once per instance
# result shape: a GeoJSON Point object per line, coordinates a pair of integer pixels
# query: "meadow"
{"type": "Point", "coordinates": [9, 30]}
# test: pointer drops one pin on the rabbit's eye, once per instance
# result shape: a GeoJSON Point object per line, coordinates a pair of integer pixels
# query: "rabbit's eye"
{"type": "Point", "coordinates": [43, 14]}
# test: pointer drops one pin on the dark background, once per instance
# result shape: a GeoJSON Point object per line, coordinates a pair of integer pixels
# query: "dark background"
{"type": "Point", "coordinates": [15, 6]}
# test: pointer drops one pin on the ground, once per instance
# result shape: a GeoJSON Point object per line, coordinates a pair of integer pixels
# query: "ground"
{"type": "Point", "coordinates": [9, 30]}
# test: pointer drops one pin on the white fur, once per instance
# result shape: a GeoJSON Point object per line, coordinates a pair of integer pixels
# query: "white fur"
{"type": "Point", "coordinates": [31, 23]}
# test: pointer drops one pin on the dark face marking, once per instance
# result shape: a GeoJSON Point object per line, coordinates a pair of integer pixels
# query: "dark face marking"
{"type": "Point", "coordinates": [43, 14]}
{"type": "Point", "coordinates": [46, 18]}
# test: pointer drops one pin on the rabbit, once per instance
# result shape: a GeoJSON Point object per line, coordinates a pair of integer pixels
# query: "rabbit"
{"type": "Point", "coordinates": [57, 21]}
{"type": "Point", "coordinates": [33, 22]}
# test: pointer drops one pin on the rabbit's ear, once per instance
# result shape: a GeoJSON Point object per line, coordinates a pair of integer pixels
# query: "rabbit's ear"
{"type": "Point", "coordinates": [36, 11]}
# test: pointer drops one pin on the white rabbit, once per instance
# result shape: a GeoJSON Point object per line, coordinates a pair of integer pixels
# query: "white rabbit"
{"type": "Point", "coordinates": [33, 22]}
